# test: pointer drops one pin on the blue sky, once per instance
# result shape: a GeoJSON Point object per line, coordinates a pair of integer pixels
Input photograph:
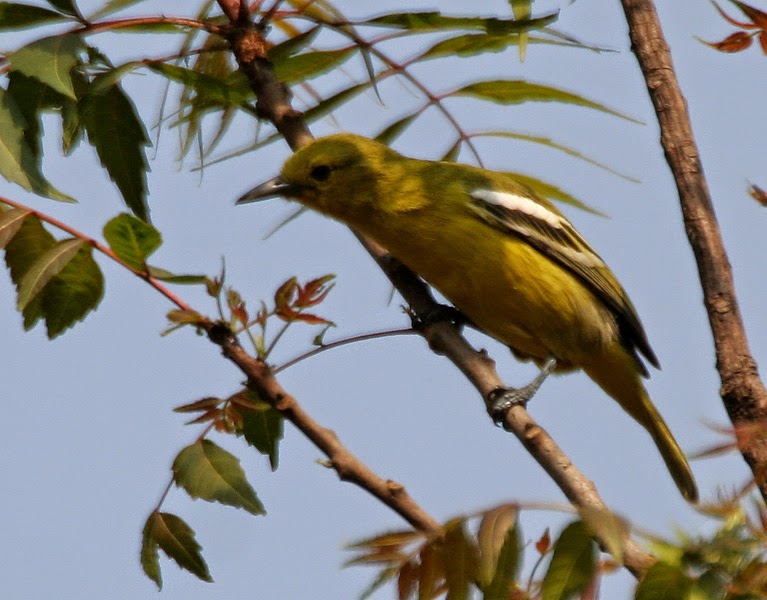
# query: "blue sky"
{"type": "Point", "coordinates": [90, 436]}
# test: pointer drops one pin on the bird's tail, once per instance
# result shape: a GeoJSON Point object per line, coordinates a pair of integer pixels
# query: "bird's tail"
{"type": "Point", "coordinates": [621, 380]}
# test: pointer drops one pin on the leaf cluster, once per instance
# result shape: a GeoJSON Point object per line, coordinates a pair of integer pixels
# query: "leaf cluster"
{"type": "Point", "coordinates": [754, 28]}
{"type": "Point", "coordinates": [456, 563]}
{"type": "Point", "coordinates": [729, 564]}
{"type": "Point", "coordinates": [66, 74]}
{"type": "Point", "coordinates": [58, 280]}
{"type": "Point", "coordinates": [204, 469]}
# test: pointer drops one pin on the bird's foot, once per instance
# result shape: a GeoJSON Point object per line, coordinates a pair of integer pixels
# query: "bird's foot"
{"type": "Point", "coordinates": [440, 313]}
{"type": "Point", "coordinates": [501, 400]}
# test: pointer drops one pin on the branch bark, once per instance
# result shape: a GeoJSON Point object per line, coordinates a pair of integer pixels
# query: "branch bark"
{"type": "Point", "coordinates": [742, 390]}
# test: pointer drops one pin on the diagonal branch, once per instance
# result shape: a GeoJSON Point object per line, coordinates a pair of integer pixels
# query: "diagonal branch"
{"type": "Point", "coordinates": [742, 391]}
{"type": "Point", "coordinates": [349, 467]}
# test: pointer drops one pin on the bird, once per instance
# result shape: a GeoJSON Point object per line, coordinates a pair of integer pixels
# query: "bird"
{"type": "Point", "coordinates": [503, 255]}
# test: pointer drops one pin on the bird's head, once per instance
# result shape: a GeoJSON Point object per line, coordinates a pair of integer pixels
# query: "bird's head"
{"type": "Point", "coordinates": [337, 175]}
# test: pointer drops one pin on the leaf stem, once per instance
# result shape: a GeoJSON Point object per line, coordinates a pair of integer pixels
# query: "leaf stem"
{"type": "Point", "coordinates": [276, 339]}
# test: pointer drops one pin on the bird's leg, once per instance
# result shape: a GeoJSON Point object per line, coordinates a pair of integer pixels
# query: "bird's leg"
{"type": "Point", "coordinates": [502, 399]}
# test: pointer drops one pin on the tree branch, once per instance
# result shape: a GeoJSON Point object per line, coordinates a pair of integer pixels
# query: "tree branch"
{"type": "Point", "coordinates": [742, 391]}
{"type": "Point", "coordinates": [348, 466]}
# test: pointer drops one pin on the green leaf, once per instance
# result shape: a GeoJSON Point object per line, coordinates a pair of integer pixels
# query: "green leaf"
{"type": "Point", "coordinates": [610, 529]}
{"type": "Point", "coordinates": [71, 128]}
{"type": "Point", "coordinates": [210, 88]}
{"type": "Point", "coordinates": [713, 584]}
{"type": "Point", "coordinates": [311, 64]}
{"type": "Point", "coordinates": [132, 240]}
{"type": "Point", "coordinates": [263, 429]}
{"type": "Point", "coordinates": [32, 97]}
{"type": "Point", "coordinates": [368, 60]}
{"type": "Point", "coordinates": [435, 21]}
{"type": "Point", "coordinates": [44, 269]}
{"type": "Point", "coordinates": [500, 544]}
{"type": "Point", "coordinates": [73, 293]}
{"type": "Point", "coordinates": [383, 577]}
{"type": "Point", "coordinates": [662, 581]}
{"type": "Point", "coordinates": [18, 162]}
{"type": "Point", "coordinates": [70, 295]}
{"type": "Point", "coordinates": [20, 16]}
{"type": "Point", "coordinates": [150, 559]}
{"type": "Point", "coordinates": [393, 131]}
{"type": "Point", "coordinates": [292, 45]}
{"type": "Point", "coordinates": [460, 560]}
{"type": "Point", "coordinates": [169, 277]}
{"type": "Point", "coordinates": [50, 60]}
{"type": "Point", "coordinates": [472, 44]}
{"type": "Point", "coordinates": [548, 142]}
{"type": "Point", "coordinates": [10, 222]}
{"type": "Point", "coordinates": [469, 44]}
{"type": "Point", "coordinates": [573, 564]}
{"type": "Point", "coordinates": [176, 539]}
{"type": "Point", "coordinates": [452, 153]}
{"type": "Point", "coordinates": [207, 471]}
{"type": "Point", "coordinates": [120, 138]}
{"type": "Point", "coordinates": [68, 7]}
{"type": "Point", "coordinates": [106, 80]}
{"type": "Point", "coordinates": [506, 91]}
{"type": "Point", "coordinates": [31, 241]}
{"type": "Point", "coordinates": [522, 10]}
{"type": "Point", "coordinates": [328, 105]}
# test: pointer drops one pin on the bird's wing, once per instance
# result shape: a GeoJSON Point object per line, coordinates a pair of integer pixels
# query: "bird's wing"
{"type": "Point", "coordinates": [527, 218]}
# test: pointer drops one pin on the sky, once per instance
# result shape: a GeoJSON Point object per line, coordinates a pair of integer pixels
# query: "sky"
{"type": "Point", "coordinates": [89, 433]}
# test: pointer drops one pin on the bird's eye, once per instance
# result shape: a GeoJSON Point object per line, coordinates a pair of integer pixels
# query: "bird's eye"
{"type": "Point", "coordinates": [320, 172]}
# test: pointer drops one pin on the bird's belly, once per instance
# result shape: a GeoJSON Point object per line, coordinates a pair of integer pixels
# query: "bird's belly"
{"type": "Point", "coordinates": [520, 297]}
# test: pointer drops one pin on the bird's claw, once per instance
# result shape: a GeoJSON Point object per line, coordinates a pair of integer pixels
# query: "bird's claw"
{"type": "Point", "coordinates": [502, 400]}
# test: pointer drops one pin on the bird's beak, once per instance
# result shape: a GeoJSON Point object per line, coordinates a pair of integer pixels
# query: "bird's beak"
{"type": "Point", "coordinates": [268, 189]}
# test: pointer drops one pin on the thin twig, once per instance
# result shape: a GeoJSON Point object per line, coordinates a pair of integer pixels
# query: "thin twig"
{"type": "Point", "coordinates": [343, 342]}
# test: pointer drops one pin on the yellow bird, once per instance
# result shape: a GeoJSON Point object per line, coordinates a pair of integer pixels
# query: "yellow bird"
{"type": "Point", "coordinates": [504, 256]}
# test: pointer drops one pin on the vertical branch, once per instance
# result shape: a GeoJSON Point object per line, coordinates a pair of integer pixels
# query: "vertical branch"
{"type": "Point", "coordinates": [742, 390]}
